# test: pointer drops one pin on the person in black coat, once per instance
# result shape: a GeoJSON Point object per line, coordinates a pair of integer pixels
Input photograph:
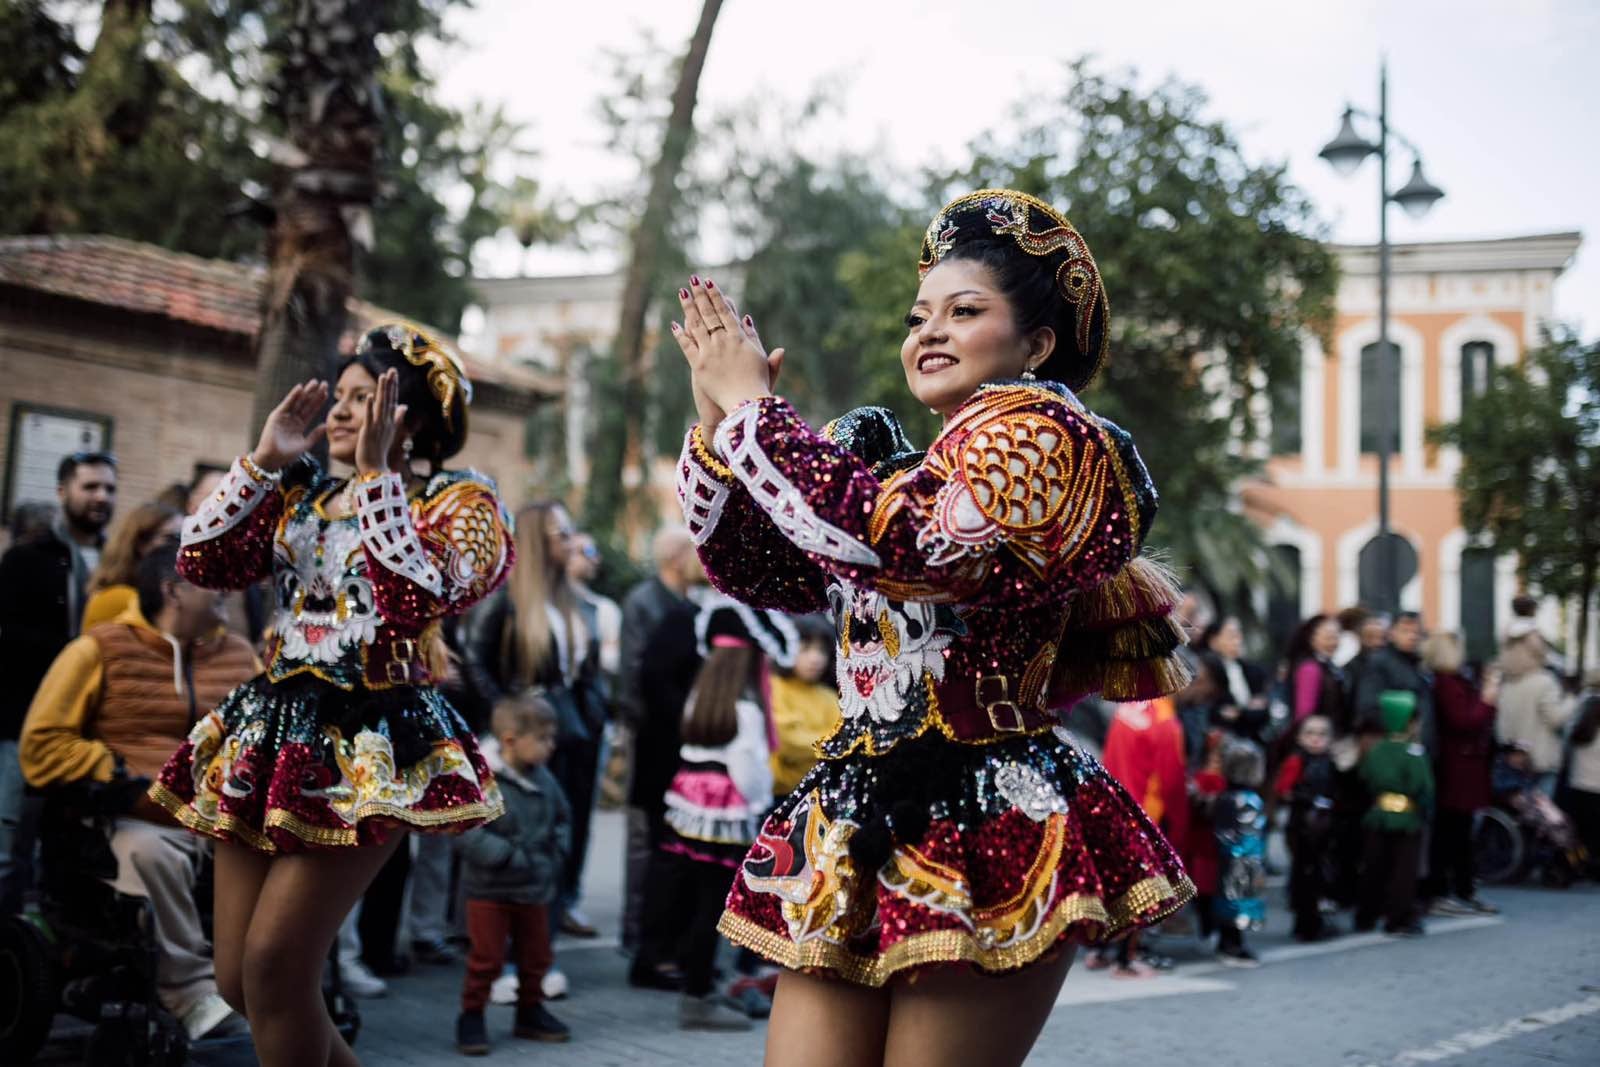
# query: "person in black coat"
{"type": "Point", "coordinates": [44, 583]}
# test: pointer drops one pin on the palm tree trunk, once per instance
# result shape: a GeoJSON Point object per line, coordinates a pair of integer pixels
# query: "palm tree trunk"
{"type": "Point", "coordinates": [609, 506]}
{"type": "Point", "coordinates": [327, 96]}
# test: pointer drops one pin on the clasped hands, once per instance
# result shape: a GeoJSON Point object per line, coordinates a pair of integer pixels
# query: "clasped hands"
{"type": "Point", "coordinates": [727, 363]}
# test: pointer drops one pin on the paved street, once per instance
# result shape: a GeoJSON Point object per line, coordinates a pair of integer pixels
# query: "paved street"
{"type": "Point", "coordinates": [1519, 989]}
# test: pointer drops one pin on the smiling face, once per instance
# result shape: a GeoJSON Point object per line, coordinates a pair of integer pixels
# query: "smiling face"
{"type": "Point", "coordinates": [962, 332]}
{"type": "Point", "coordinates": [355, 386]}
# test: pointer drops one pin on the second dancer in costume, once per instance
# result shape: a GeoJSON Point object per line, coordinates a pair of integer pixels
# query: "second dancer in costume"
{"type": "Point", "coordinates": [951, 834]}
{"type": "Point", "coordinates": [309, 775]}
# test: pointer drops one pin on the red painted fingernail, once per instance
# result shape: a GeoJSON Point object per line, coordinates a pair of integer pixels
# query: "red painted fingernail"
{"type": "Point", "coordinates": [748, 321]}
{"type": "Point", "coordinates": [694, 279]}
{"type": "Point", "coordinates": [710, 284]}
{"type": "Point", "coordinates": [683, 294]}
{"type": "Point", "coordinates": [676, 327]}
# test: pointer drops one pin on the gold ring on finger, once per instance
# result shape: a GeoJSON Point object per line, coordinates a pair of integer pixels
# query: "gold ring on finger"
{"type": "Point", "coordinates": [714, 329]}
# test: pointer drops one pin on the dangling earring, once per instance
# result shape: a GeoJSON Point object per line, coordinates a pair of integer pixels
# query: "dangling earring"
{"type": "Point", "coordinates": [405, 449]}
{"type": "Point", "coordinates": [1028, 375]}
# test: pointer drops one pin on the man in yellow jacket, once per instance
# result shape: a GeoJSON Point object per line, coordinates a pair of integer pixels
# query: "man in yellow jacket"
{"type": "Point", "coordinates": [114, 705]}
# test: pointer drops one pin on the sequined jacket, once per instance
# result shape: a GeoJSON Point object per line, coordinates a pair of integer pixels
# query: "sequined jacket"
{"type": "Point", "coordinates": [358, 599]}
{"type": "Point", "coordinates": [975, 587]}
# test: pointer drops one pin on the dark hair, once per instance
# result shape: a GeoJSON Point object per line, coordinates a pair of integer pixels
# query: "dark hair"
{"type": "Point", "coordinates": [1587, 724]}
{"type": "Point", "coordinates": [523, 712]}
{"type": "Point", "coordinates": [1300, 643]}
{"type": "Point", "coordinates": [727, 676]}
{"type": "Point", "coordinates": [814, 630]}
{"type": "Point", "coordinates": [433, 438]}
{"type": "Point", "coordinates": [73, 460]}
{"type": "Point", "coordinates": [31, 521]}
{"type": "Point", "coordinates": [1029, 286]}
{"type": "Point", "coordinates": [1409, 616]}
{"type": "Point", "coordinates": [1213, 628]}
{"type": "Point", "coordinates": [155, 571]}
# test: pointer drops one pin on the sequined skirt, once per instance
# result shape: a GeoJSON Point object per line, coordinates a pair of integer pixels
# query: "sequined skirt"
{"type": "Point", "coordinates": [297, 764]}
{"type": "Point", "coordinates": [944, 853]}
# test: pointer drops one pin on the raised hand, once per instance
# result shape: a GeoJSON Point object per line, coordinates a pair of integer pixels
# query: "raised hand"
{"type": "Point", "coordinates": [294, 427]}
{"type": "Point", "coordinates": [727, 362]}
{"type": "Point", "coordinates": [380, 444]}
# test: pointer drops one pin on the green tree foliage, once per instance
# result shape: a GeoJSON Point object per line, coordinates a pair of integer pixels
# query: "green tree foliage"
{"type": "Point", "coordinates": [164, 131]}
{"type": "Point", "coordinates": [1530, 468]}
{"type": "Point", "coordinates": [1215, 274]}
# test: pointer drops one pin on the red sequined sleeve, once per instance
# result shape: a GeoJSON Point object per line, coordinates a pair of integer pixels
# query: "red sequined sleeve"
{"type": "Point", "coordinates": [1023, 498]}
{"type": "Point", "coordinates": [434, 556]}
{"type": "Point", "coordinates": [227, 542]}
{"type": "Point", "coordinates": [743, 552]}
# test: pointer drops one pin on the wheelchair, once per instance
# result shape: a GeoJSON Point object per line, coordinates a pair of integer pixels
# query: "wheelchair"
{"type": "Point", "coordinates": [90, 951]}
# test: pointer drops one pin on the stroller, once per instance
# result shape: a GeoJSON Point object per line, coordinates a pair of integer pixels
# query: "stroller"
{"type": "Point", "coordinates": [1524, 831]}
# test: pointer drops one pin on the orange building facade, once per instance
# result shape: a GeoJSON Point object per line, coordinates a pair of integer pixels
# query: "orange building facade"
{"type": "Point", "coordinates": [1455, 308]}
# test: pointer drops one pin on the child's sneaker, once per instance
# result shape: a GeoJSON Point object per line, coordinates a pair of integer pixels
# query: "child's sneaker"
{"type": "Point", "coordinates": [1237, 957]}
{"type": "Point", "coordinates": [554, 985]}
{"type": "Point", "coordinates": [536, 1023]}
{"type": "Point", "coordinates": [504, 989]}
{"type": "Point", "coordinates": [709, 1013]}
{"type": "Point", "coordinates": [472, 1037]}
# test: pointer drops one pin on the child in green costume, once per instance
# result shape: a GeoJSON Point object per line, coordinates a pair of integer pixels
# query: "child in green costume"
{"type": "Point", "coordinates": [1399, 778]}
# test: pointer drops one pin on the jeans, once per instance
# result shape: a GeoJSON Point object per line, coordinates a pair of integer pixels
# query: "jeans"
{"type": "Point", "coordinates": [12, 869]}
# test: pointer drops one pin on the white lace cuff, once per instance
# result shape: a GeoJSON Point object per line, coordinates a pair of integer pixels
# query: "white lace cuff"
{"type": "Point", "coordinates": [391, 536]}
{"type": "Point", "coordinates": [239, 493]}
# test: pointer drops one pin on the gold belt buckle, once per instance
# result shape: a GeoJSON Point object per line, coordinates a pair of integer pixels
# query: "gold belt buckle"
{"type": "Point", "coordinates": [401, 653]}
{"type": "Point", "coordinates": [1017, 724]}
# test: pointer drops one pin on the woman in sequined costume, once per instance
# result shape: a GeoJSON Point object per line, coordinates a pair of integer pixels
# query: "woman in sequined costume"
{"type": "Point", "coordinates": [309, 775]}
{"type": "Point", "coordinates": [926, 883]}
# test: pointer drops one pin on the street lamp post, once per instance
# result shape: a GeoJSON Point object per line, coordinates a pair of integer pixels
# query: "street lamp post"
{"type": "Point", "coordinates": [1345, 153]}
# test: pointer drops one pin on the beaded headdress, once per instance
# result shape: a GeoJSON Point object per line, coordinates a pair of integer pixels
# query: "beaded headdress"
{"type": "Point", "coordinates": [447, 377]}
{"type": "Point", "coordinates": [1039, 230]}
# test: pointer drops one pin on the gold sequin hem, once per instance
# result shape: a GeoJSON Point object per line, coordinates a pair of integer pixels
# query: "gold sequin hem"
{"type": "Point", "coordinates": [227, 826]}
{"type": "Point", "coordinates": [1148, 902]}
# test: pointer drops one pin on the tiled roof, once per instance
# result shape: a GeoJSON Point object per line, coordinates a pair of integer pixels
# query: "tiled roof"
{"type": "Point", "coordinates": [137, 277]}
{"type": "Point", "coordinates": [214, 293]}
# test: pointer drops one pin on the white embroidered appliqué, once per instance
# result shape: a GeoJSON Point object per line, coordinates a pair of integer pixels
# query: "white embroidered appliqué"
{"type": "Point", "coordinates": [389, 533]}
{"type": "Point", "coordinates": [236, 497]}
{"type": "Point", "coordinates": [777, 495]}
{"type": "Point", "coordinates": [1029, 792]}
{"type": "Point", "coordinates": [701, 497]}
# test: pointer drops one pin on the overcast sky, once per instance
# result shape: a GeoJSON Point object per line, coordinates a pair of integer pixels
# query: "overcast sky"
{"type": "Point", "coordinates": [1502, 98]}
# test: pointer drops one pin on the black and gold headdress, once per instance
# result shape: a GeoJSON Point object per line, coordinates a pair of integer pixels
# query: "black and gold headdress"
{"type": "Point", "coordinates": [447, 377]}
{"type": "Point", "coordinates": [1039, 230]}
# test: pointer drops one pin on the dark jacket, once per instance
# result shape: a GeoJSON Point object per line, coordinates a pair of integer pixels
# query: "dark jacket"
{"type": "Point", "coordinates": [43, 586]}
{"type": "Point", "coordinates": [668, 668]}
{"type": "Point", "coordinates": [1466, 744]}
{"type": "Point", "coordinates": [642, 610]}
{"type": "Point", "coordinates": [484, 636]}
{"type": "Point", "coordinates": [519, 857]}
{"type": "Point", "coordinates": [1389, 669]}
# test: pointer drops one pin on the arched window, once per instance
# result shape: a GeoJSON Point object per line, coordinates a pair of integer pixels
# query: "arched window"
{"type": "Point", "coordinates": [1283, 595]}
{"type": "Point", "coordinates": [1380, 388]}
{"type": "Point", "coordinates": [1477, 603]}
{"type": "Point", "coordinates": [1285, 397]}
{"type": "Point", "coordinates": [1477, 369]}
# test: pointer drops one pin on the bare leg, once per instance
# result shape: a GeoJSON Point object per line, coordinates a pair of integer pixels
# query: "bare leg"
{"type": "Point", "coordinates": [240, 873]}
{"type": "Point", "coordinates": [952, 1017]}
{"type": "Point", "coordinates": [297, 916]}
{"type": "Point", "coordinates": [820, 1022]}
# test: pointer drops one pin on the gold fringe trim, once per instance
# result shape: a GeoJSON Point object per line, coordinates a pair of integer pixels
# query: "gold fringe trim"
{"type": "Point", "coordinates": [707, 458]}
{"type": "Point", "coordinates": [1146, 903]}
{"type": "Point", "coordinates": [1144, 587]}
{"type": "Point", "coordinates": [227, 825]}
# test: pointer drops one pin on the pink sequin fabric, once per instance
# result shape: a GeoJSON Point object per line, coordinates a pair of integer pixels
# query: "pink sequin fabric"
{"type": "Point", "coordinates": [343, 738]}
{"type": "Point", "coordinates": [976, 588]}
